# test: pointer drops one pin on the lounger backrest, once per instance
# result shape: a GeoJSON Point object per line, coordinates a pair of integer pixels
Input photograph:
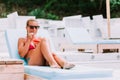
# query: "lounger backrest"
{"type": "Point", "coordinates": [115, 27]}
{"type": "Point", "coordinates": [4, 23]}
{"type": "Point", "coordinates": [86, 21]}
{"type": "Point", "coordinates": [72, 21]}
{"type": "Point", "coordinates": [21, 21]}
{"type": "Point", "coordinates": [79, 35]}
{"type": "Point", "coordinates": [12, 36]}
{"type": "Point", "coordinates": [99, 26]}
{"type": "Point", "coordinates": [11, 18]}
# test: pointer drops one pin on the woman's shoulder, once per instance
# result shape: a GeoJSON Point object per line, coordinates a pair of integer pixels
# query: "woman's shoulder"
{"type": "Point", "coordinates": [42, 38]}
{"type": "Point", "coordinates": [21, 39]}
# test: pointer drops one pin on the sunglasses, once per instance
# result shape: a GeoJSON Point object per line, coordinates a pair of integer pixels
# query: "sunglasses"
{"type": "Point", "coordinates": [32, 27]}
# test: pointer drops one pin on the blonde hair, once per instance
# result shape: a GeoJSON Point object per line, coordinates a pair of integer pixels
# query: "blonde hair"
{"type": "Point", "coordinates": [29, 20]}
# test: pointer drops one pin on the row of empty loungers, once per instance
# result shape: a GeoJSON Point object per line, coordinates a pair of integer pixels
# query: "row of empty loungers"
{"type": "Point", "coordinates": [80, 39]}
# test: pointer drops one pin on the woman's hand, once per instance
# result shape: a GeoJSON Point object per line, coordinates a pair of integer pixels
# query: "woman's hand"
{"type": "Point", "coordinates": [30, 36]}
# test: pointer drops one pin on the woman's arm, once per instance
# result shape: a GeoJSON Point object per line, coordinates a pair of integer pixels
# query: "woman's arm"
{"type": "Point", "coordinates": [23, 46]}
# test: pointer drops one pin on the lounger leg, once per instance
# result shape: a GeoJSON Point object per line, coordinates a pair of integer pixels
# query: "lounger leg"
{"type": "Point", "coordinates": [100, 49]}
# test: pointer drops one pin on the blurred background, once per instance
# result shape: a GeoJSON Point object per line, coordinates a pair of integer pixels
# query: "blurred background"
{"type": "Point", "coordinates": [57, 9]}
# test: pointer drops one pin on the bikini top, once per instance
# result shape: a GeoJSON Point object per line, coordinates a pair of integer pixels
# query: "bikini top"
{"type": "Point", "coordinates": [32, 44]}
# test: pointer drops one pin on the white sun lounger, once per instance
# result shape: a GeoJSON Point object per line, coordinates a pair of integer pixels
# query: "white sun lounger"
{"type": "Point", "coordinates": [78, 72]}
{"type": "Point", "coordinates": [16, 21]}
{"type": "Point", "coordinates": [81, 39]}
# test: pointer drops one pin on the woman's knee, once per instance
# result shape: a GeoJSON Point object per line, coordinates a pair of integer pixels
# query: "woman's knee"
{"type": "Point", "coordinates": [44, 40]}
{"type": "Point", "coordinates": [38, 46]}
{"type": "Point", "coordinates": [54, 54]}
{"type": "Point", "coordinates": [44, 43]}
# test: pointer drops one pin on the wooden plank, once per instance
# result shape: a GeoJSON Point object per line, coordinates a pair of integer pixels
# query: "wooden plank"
{"type": "Point", "coordinates": [108, 17]}
{"type": "Point", "coordinates": [2, 62]}
{"type": "Point", "coordinates": [9, 76]}
{"type": "Point", "coordinates": [14, 62]}
{"type": "Point", "coordinates": [68, 47]}
{"type": "Point", "coordinates": [31, 77]}
{"type": "Point", "coordinates": [10, 61]}
{"type": "Point", "coordinates": [101, 47]}
{"type": "Point", "coordinates": [11, 69]}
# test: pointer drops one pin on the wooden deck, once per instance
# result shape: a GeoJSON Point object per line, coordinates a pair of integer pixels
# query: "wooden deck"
{"type": "Point", "coordinates": [31, 77]}
{"type": "Point", "coordinates": [11, 69]}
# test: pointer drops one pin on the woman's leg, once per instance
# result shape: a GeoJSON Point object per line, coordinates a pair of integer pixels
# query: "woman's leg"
{"type": "Point", "coordinates": [35, 57]}
{"type": "Point", "coordinates": [52, 58]}
{"type": "Point", "coordinates": [62, 62]}
{"type": "Point", "coordinates": [46, 51]}
{"type": "Point", "coordinates": [59, 60]}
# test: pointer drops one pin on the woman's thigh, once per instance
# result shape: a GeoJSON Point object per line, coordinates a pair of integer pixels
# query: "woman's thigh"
{"type": "Point", "coordinates": [35, 57]}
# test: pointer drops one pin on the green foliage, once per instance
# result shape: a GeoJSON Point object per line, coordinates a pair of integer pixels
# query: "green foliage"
{"type": "Point", "coordinates": [39, 13]}
{"type": "Point", "coordinates": [23, 3]}
{"type": "Point", "coordinates": [56, 9]}
{"type": "Point", "coordinates": [115, 8]}
{"type": "Point", "coordinates": [115, 5]}
{"type": "Point", "coordinates": [11, 2]}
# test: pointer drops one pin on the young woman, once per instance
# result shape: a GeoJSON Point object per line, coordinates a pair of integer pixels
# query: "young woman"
{"type": "Point", "coordinates": [36, 50]}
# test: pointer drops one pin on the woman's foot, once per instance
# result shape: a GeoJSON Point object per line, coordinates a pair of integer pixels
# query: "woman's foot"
{"type": "Point", "coordinates": [55, 66]}
{"type": "Point", "coordinates": [68, 65]}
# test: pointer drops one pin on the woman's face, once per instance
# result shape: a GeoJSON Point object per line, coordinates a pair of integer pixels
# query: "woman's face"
{"type": "Point", "coordinates": [32, 27]}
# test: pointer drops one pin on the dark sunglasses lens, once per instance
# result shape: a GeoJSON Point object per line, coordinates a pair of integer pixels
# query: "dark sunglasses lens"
{"type": "Point", "coordinates": [32, 27]}
{"type": "Point", "coordinates": [36, 27]}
